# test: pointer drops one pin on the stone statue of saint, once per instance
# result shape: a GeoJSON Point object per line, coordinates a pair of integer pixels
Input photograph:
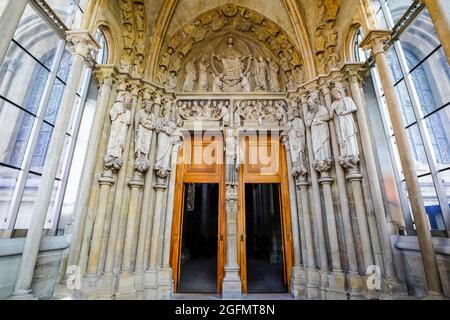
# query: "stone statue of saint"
{"type": "Point", "coordinates": [165, 128]}
{"type": "Point", "coordinates": [191, 76]}
{"type": "Point", "coordinates": [145, 123]}
{"type": "Point", "coordinates": [121, 118]}
{"type": "Point", "coordinates": [317, 119]}
{"type": "Point", "coordinates": [342, 110]}
{"type": "Point", "coordinates": [274, 69]}
{"type": "Point", "coordinates": [297, 143]}
{"type": "Point", "coordinates": [280, 113]}
{"type": "Point", "coordinates": [203, 75]}
{"type": "Point", "coordinates": [260, 73]}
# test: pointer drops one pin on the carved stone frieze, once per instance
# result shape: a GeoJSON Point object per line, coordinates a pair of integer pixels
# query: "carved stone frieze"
{"type": "Point", "coordinates": [205, 110]}
{"type": "Point", "coordinates": [260, 112]}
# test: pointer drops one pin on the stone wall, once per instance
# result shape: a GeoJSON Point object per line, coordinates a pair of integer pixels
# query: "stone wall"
{"type": "Point", "coordinates": [406, 249]}
{"type": "Point", "coordinates": [47, 269]}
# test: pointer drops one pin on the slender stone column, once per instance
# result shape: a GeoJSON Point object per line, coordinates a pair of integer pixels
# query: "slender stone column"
{"type": "Point", "coordinates": [165, 273]}
{"type": "Point", "coordinates": [353, 73]}
{"type": "Point", "coordinates": [10, 16]}
{"type": "Point", "coordinates": [122, 197]}
{"type": "Point", "coordinates": [439, 14]}
{"type": "Point", "coordinates": [353, 278]}
{"type": "Point", "coordinates": [106, 76]}
{"type": "Point", "coordinates": [126, 279]}
{"type": "Point", "coordinates": [298, 271]}
{"type": "Point", "coordinates": [106, 181]}
{"type": "Point", "coordinates": [316, 205]}
{"type": "Point", "coordinates": [375, 40]}
{"type": "Point", "coordinates": [145, 225]}
{"type": "Point", "coordinates": [160, 191]}
{"type": "Point", "coordinates": [84, 45]}
{"type": "Point", "coordinates": [312, 276]}
{"type": "Point", "coordinates": [232, 285]}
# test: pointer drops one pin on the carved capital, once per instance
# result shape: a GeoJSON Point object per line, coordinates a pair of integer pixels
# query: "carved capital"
{"type": "Point", "coordinates": [83, 44]}
{"type": "Point", "coordinates": [375, 40]}
{"type": "Point", "coordinates": [106, 74]}
{"type": "Point", "coordinates": [323, 166]}
{"type": "Point", "coordinates": [354, 72]}
{"type": "Point", "coordinates": [106, 178]}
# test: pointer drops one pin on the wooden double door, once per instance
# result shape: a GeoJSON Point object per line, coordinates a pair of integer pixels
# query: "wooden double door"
{"type": "Point", "coordinates": [264, 246]}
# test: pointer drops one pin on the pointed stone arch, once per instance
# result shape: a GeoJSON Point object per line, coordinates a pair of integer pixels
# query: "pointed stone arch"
{"type": "Point", "coordinates": [229, 18]}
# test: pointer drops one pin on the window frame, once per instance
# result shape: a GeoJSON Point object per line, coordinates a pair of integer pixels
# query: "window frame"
{"type": "Point", "coordinates": [415, 10]}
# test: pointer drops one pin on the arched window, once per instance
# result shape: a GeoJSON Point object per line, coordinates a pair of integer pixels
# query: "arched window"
{"type": "Point", "coordinates": [360, 54]}
{"type": "Point", "coordinates": [102, 56]}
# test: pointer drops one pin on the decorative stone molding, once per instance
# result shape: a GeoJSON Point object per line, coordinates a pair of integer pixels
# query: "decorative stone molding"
{"type": "Point", "coordinates": [205, 110]}
{"type": "Point", "coordinates": [134, 37]}
{"type": "Point", "coordinates": [82, 43]}
{"type": "Point", "coordinates": [260, 112]}
{"type": "Point", "coordinates": [375, 40]}
{"type": "Point", "coordinates": [106, 74]}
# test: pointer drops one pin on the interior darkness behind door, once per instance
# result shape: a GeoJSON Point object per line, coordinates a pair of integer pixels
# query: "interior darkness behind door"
{"type": "Point", "coordinates": [198, 265]}
{"type": "Point", "coordinates": [265, 272]}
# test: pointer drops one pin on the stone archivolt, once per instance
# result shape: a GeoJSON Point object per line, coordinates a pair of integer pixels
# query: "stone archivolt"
{"type": "Point", "coordinates": [230, 63]}
{"type": "Point", "coordinates": [134, 34]}
{"type": "Point", "coordinates": [326, 36]}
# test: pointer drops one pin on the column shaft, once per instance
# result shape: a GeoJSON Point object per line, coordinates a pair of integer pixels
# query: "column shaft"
{"type": "Point", "coordinates": [376, 192]}
{"type": "Point", "coordinates": [106, 181]}
{"type": "Point", "coordinates": [317, 207]}
{"type": "Point", "coordinates": [146, 222]}
{"type": "Point", "coordinates": [31, 249]}
{"type": "Point", "coordinates": [170, 204]}
{"type": "Point", "coordinates": [343, 196]}
{"type": "Point", "coordinates": [439, 14]}
{"type": "Point", "coordinates": [409, 169]}
{"type": "Point", "coordinates": [294, 216]}
{"type": "Point", "coordinates": [304, 207]}
{"type": "Point", "coordinates": [136, 185]}
{"type": "Point", "coordinates": [87, 180]}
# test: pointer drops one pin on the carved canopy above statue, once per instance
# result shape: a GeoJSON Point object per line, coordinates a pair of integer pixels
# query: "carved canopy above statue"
{"type": "Point", "coordinates": [230, 49]}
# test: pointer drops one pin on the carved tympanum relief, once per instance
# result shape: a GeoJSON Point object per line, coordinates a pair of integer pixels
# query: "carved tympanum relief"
{"type": "Point", "coordinates": [255, 55]}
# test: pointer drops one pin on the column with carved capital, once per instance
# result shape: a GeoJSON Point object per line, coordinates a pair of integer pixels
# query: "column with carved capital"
{"type": "Point", "coordinates": [84, 47]}
{"type": "Point", "coordinates": [354, 73]}
{"type": "Point", "coordinates": [353, 278]}
{"type": "Point", "coordinates": [145, 224]}
{"type": "Point", "coordinates": [316, 208]}
{"type": "Point", "coordinates": [231, 286]}
{"type": "Point", "coordinates": [9, 20]}
{"type": "Point", "coordinates": [336, 279]}
{"type": "Point", "coordinates": [298, 280]}
{"type": "Point", "coordinates": [375, 40]}
{"type": "Point", "coordinates": [106, 77]}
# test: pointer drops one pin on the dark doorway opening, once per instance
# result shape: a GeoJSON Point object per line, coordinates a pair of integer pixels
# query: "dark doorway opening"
{"type": "Point", "coordinates": [198, 265]}
{"type": "Point", "coordinates": [265, 265]}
